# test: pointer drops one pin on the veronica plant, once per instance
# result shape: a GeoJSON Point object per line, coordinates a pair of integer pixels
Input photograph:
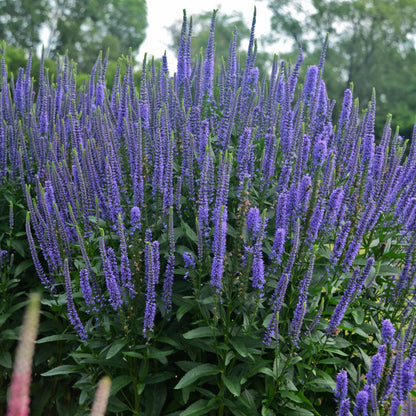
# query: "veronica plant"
{"type": "Point", "coordinates": [222, 242]}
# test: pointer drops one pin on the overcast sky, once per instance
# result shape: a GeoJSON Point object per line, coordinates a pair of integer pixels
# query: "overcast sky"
{"type": "Point", "coordinates": [162, 13]}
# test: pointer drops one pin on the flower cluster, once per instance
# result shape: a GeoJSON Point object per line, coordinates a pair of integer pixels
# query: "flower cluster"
{"type": "Point", "coordinates": [390, 379]}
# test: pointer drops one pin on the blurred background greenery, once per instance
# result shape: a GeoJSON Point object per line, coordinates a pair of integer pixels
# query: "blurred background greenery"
{"type": "Point", "coordinates": [371, 42]}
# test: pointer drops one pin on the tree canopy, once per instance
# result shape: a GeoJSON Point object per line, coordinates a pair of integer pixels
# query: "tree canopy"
{"type": "Point", "coordinates": [81, 27]}
{"type": "Point", "coordinates": [372, 44]}
{"type": "Point", "coordinates": [224, 30]}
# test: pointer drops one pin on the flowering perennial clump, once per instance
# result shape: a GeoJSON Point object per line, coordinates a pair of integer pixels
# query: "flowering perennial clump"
{"type": "Point", "coordinates": [294, 228]}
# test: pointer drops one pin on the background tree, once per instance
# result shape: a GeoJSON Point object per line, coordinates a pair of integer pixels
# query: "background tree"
{"type": "Point", "coordinates": [85, 27]}
{"type": "Point", "coordinates": [21, 21]}
{"type": "Point", "coordinates": [372, 44]}
{"type": "Point", "coordinates": [81, 27]}
{"type": "Point", "coordinates": [224, 27]}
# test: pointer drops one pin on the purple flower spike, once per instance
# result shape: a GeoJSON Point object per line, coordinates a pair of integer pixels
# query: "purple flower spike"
{"type": "Point", "coordinates": [209, 60]}
{"type": "Point", "coordinates": [376, 370]}
{"type": "Point", "coordinates": [361, 405]}
{"type": "Point", "coordinates": [310, 83]}
{"type": "Point", "coordinates": [111, 275]}
{"type": "Point", "coordinates": [253, 222]}
{"type": "Point", "coordinates": [408, 375]}
{"type": "Point", "coordinates": [135, 218]}
{"type": "Point", "coordinates": [258, 270]}
{"type": "Point", "coordinates": [86, 290]}
{"type": "Point", "coordinates": [219, 244]}
{"type": "Point", "coordinates": [152, 268]}
{"type": "Point", "coordinates": [341, 388]}
{"type": "Point", "coordinates": [387, 331]}
{"type": "Point", "coordinates": [72, 312]}
{"type": "Point", "coordinates": [189, 261]}
{"type": "Point", "coordinates": [344, 408]}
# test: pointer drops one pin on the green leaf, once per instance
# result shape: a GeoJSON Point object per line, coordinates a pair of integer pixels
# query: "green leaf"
{"type": "Point", "coordinates": [62, 369]}
{"type": "Point", "coordinates": [201, 407]}
{"type": "Point", "coordinates": [201, 332]}
{"type": "Point", "coordinates": [4, 317]}
{"type": "Point", "coordinates": [21, 267]}
{"type": "Point", "coordinates": [19, 246]}
{"type": "Point", "coordinates": [119, 382]}
{"type": "Point", "coordinates": [189, 232]}
{"type": "Point", "coordinates": [182, 310]}
{"type": "Point", "coordinates": [58, 337]}
{"type": "Point", "coordinates": [358, 315]}
{"type": "Point", "coordinates": [297, 412]}
{"type": "Point", "coordinates": [290, 395]}
{"type": "Point", "coordinates": [268, 372]}
{"type": "Point", "coordinates": [360, 332]}
{"type": "Point", "coordinates": [133, 354]}
{"type": "Point", "coordinates": [364, 356]}
{"type": "Point", "coordinates": [332, 360]}
{"type": "Point", "coordinates": [387, 270]}
{"type": "Point", "coordinates": [240, 346]}
{"type": "Point", "coordinates": [154, 399]}
{"type": "Point", "coordinates": [115, 348]}
{"type": "Point", "coordinates": [321, 385]}
{"type": "Point", "coordinates": [186, 365]}
{"type": "Point", "coordinates": [6, 359]}
{"type": "Point", "coordinates": [230, 355]}
{"type": "Point", "coordinates": [18, 306]}
{"type": "Point", "coordinates": [335, 350]}
{"type": "Point", "coordinates": [232, 384]}
{"type": "Point", "coordinates": [10, 334]}
{"type": "Point", "coordinates": [159, 377]}
{"type": "Point", "coordinates": [267, 412]}
{"type": "Point", "coordinates": [191, 376]}
{"type": "Point", "coordinates": [339, 342]}
{"type": "Point", "coordinates": [159, 354]}
{"type": "Point", "coordinates": [232, 231]}
{"type": "Point", "coordinates": [115, 405]}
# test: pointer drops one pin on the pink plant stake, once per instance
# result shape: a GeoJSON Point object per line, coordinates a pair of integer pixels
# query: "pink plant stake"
{"type": "Point", "coordinates": [18, 403]}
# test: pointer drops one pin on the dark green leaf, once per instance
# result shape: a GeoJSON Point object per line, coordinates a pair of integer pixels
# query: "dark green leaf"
{"type": "Point", "coordinates": [232, 384]}
{"type": "Point", "coordinates": [387, 270]}
{"type": "Point", "coordinates": [298, 412]}
{"type": "Point", "coordinates": [321, 385]}
{"type": "Point", "coordinates": [240, 345]}
{"type": "Point", "coordinates": [115, 348]}
{"type": "Point", "coordinates": [6, 359]}
{"type": "Point", "coordinates": [62, 369]}
{"type": "Point", "coordinates": [182, 310]}
{"type": "Point", "coordinates": [291, 396]}
{"type": "Point", "coordinates": [19, 246]}
{"type": "Point", "coordinates": [201, 332]}
{"type": "Point", "coordinates": [191, 376]}
{"type": "Point", "coordinates": [358, 315]}
{"type": "Point", "coordinates": [133, 354]}
{"type": "Point", "coordinates": [55, 338]}
{"type": "Point", "coordinates": [119, 382]}
{"type": "Point", "coordinates": [199, 408]}
{"type": "Point", "coordinates": [159, 377]}
{"type": "Point", "coordinates": [21, 267]}
{"type": "Point", "coordinates": [159, 354]}
{"type": "Point", "coordinates": [332, 360]}
{"type": "Point", "coordinates": [115, 405]}
{"type": "Point", "coordinates": [189, 232]}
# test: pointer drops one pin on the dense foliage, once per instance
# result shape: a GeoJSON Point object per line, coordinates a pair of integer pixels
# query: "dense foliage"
{"type": "Point", "coordinates": [215, 243]}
